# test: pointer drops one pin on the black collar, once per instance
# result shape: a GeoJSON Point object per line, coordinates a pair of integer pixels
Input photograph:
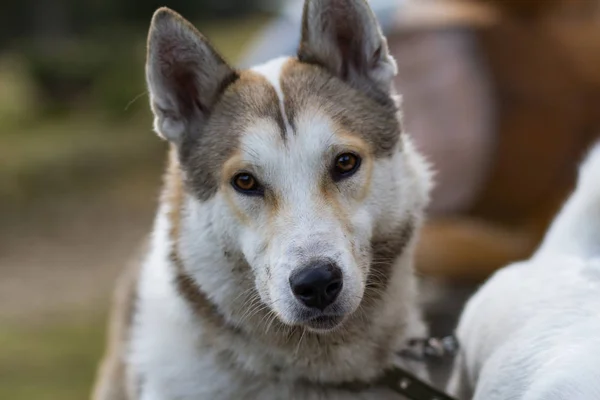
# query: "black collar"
{"type": "Point", "coordinates": [403, 382]}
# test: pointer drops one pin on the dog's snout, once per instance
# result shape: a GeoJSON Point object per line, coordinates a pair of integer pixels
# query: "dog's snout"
{"type": "Point", "coordinates": [317, 285]}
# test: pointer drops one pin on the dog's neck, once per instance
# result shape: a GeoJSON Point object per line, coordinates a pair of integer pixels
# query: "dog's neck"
{"type": "Point", "coordinates": [230, 311]}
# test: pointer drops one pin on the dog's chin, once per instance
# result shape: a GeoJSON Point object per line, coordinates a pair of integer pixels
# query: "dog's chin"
{"type": "Point", "coordinates": [324, 321]}
{"type": "Point", "coordinates": [320, 323]}
{"type": "Point", "coordinates": [324, 324]}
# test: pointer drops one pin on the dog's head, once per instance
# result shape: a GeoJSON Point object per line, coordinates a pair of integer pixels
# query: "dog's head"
{"type": "Point", "coordinates": [302, 159]}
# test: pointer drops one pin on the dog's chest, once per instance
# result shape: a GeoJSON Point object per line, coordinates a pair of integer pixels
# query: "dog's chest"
{"type": "Point", "coordinates": [186, 369]}
{"type": "Point", "coordinates": [173, 358]}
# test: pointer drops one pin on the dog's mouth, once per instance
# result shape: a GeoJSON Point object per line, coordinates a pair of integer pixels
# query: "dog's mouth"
{"type": "Point", "coordinates": [324, 323]}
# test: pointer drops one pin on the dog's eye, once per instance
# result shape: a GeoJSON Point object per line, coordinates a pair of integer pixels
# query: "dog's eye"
{"type": "Point", "coordinates": [346, 164]}
{"type": "Point", "coordinates": [247, 184]}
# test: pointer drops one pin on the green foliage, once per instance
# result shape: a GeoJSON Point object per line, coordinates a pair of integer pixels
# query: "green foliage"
{"type": "Point", "coordinates": [101, 74]}
{"type": "Point", "coordinates": [74, 153]}
{"type": "Point", "coordinates": [18, 96]}
{"type": "Point", "coordinates": [69, 18]}
{"type": "Point", "coordinates": [105, 70]}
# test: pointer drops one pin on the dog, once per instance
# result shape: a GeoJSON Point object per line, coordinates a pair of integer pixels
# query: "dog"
{"type": "Point", "coordinates": [532, 331]}
{"type": "Point", "coordinates": [280, 265]}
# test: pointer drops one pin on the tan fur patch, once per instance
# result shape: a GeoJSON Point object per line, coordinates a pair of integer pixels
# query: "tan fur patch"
{"type": "Point", "coordinates": [174, 190]}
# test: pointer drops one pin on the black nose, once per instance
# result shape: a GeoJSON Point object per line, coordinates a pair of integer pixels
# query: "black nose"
{"type": "Point", "coordinates": [317, 285]}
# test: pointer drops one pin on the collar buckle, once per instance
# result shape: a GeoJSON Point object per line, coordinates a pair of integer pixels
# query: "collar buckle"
{"type": "Point", "coordinates": [431, 349]}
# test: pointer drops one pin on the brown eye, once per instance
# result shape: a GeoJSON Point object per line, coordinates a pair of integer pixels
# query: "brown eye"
{"type": "Point", "coordinates": [346, 164]}
{"type": "Point", "coordinates": [246, 183]}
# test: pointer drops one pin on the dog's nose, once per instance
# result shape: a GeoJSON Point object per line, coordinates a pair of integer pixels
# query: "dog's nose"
{"type": "Point", "coordinates": [317, 285]}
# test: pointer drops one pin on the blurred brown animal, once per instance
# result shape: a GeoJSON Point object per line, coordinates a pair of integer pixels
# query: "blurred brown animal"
{"type": "Point", "coordinates": [527, 76]}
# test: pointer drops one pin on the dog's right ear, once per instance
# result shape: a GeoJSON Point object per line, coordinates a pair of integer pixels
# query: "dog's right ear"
{"type": "Point", "coordinates": [185, 76]}
{"type": "Point", "coordinates": [344, 37]}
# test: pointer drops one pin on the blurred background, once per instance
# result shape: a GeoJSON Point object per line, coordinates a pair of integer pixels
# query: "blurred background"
{"type": "Point", "coordinates": [503, 96]}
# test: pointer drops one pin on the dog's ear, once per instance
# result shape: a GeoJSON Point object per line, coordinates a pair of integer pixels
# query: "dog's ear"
{"type": "Point", "coordinates": [344, 37]}
{"type": "Point", "coordinates": [185, 75]}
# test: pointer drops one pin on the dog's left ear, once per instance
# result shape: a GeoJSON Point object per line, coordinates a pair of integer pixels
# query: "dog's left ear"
{"type": "Point", "coordinates": [344, 37]}
{"type": "Point", "coordinates": [185, 76]}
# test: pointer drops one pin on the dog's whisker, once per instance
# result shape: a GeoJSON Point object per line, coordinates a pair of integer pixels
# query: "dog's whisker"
{"type": "Point", "coordinates": [256, 307]}
{"type": "Point", "coordinates": [271, 321]}
{"type": "Point", "coordinates": [299, 342]}
{"type": "Point", "coordinates": [267, 318]}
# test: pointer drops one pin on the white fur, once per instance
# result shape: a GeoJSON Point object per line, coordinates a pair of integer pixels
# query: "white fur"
{"type": "Point", "coordinates": [532, 332]}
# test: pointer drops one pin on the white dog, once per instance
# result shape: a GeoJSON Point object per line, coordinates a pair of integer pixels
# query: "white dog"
{"type": "Point", "coordinates": [532, 332]}
{"type": "Point", "coordinates": [280, 265]}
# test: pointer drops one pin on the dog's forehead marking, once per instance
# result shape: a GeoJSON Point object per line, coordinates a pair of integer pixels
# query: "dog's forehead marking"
{"type": "Point", "coordinates": [272, 71]}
